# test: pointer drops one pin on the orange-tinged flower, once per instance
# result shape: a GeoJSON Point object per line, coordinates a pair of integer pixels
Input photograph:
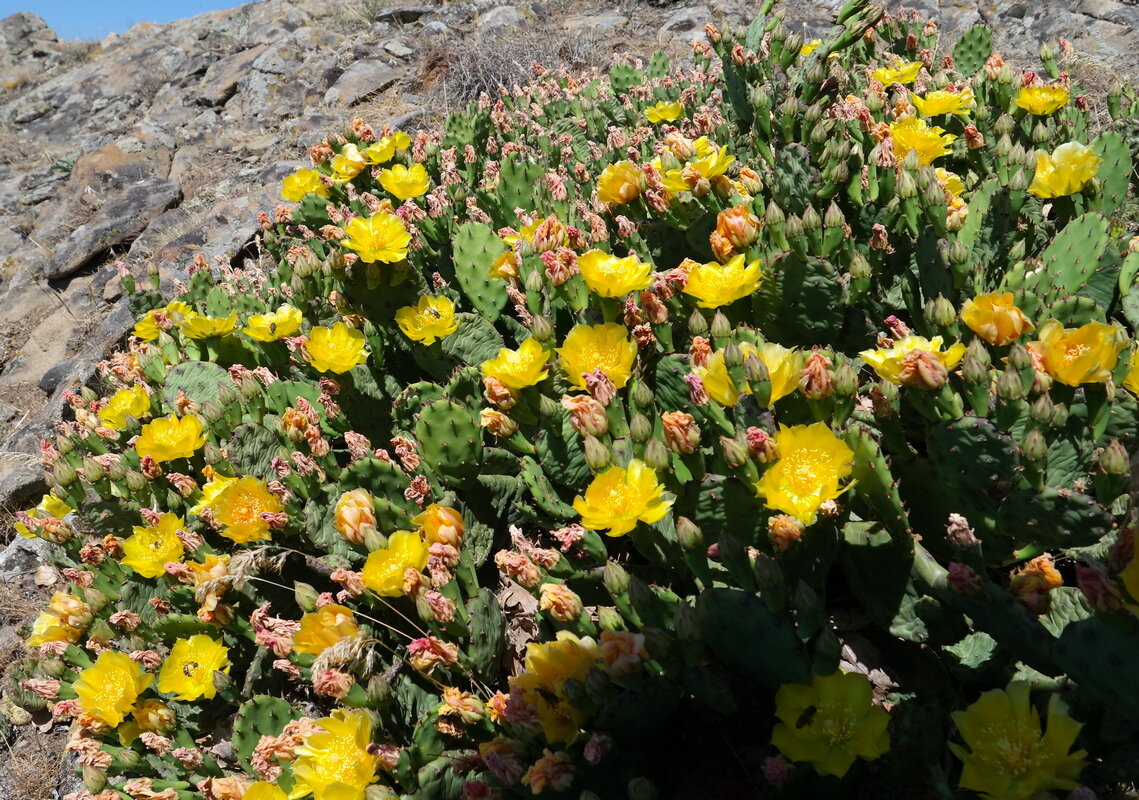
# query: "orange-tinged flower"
{"type": "Point", "coordinates": [950, 182]}
{"type": "Point", "coordinates": [405, 182]}
{"type": "Point", "coordinates": [188, 672]}
{"type": "Point", "coordinates": [347, 164]}
{"type": "Point", "coordinates": [383, 571]}
{"type": "Point", "coordinates": [380, 237]}
{"type": "Point", "coordinates": [167, 438]}
{"type": "Point", "coordinates": [936, 103]}
{"type": "Point", "coordinates": [738, 225]}
{"type": "Point", "coordinates": [895, 364]}
{"type": "Point", "coordinates": [519, 368]}
{"type": "Point", "coordinates": [812, 461]}
{"type": "Point", "coordinates": [664, 111]}
{"type": "Point", "coordinates": [441, 525]}
{"type": "Point", "coordinates": [995, 318]}
{"type": "Point", "coordinates": [1008, 758]}
{"type": "Point", "coordinates": [302, 182]}
{"type": "Point", "coordinates": [49, 506]}
{"type": "Point", "coordinates": [1042, 100]}
{"type": "Point", "coordinates": [830, 723]}
{"type": "Point", "coordinates": [107, 690]}
{"type": "Point", "coordinates": [620, 497]}
{"type": "Point", "coordinates": [285, 321]}
{"type": "Point", "coordinates": [355, 515]}
{"type": "Point", "coordinates": [147, 550]}
{"type": "Point", "coordinates": [620, 183]}
{"type": "Point", "coordinates": [714, 285]}
{"type": "Point", "coordinates": [323, 628]}
{"type": "Point", "coordinates": [134, 402]}
{"type": "Point", "coordinates": [239, 507]}
{"type": "Point", "coordinates": [333, 763]}
{"type": "Point", "coordinates": [1087, 354]}
{"type": "Point", "coordinates": [1065, 171]}
{"type": "Point", "coordinates": [148, 328]}
{"type": "Point", "coordinates": [605, 347]}
{"type": "Point", "coordinates": [609, 276]}
{"type": "Point", "coordinates": [901, 72]}
{"type": "Point", "coordinates": [432, 318]}
{"type": "Point", "coordinates": [336, 349]}
{"type": "Point", "coordinates": [928, 141]}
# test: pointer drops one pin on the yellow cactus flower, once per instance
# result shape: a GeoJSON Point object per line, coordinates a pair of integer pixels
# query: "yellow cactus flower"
{"type": "Point", "coordinates": [548, 665]}
{"type": "Point", "coordinates": [1132, 380]}
{"type": "Point", "coordinates": [405, 182]}
{"type": "Point", "coordinates": [108, 689]}
{"type": "Point", "coordinates": [380, 237]}
{"type": "Point", "coordinates": [606, 347]}
{"type": "Point", "coordinates": [936, 103]}
{"type": "Point", "coordinates": [830, 723]}
{"type": "Point", "coordinates": [809, 47]}
{"type": "Point", "coordinates": [1087, 354]}
{"type": "Point", "coordinates": [302, 182]}
{"type": "Point", "coordinates": [783, 368]}
{"type": "Point", "coordinates": [902, 72]}
{"type": "Point", "coordinates": [263, 790]}
{"type": "Point", "coordinates": [384, 570]}
{"type": "Point", "coordinates": [1042, 100]}
{"type": "Point", "coordinates": [620, 497]}
{"type": "Point", "coordinates": [1065, 171]}
{"type": "Point", "coordinates": [210, 491]}
{"type": "Point", "coordinates": [714, 164]}
{"type": "Point", "coordinates": [914, 134]}
{"type": "Point", "coordinates": [134, 402]}
{"type": "Point", "coordinates": [384, 150]}
{"type": "Point", "coordinates": [950, 182]}
{"type": "Point", "coordinates": [995, 318]}
{"type": "Point", "coordinates": [714, 285]}
{"type": "Point", "coordinates": [188, 672]}
{"type": "Point", "coordinates": [620, 183]}
{"type": "Point", "coordinates": [609, 276]}
{"type": "Point", "coordinates": [334, 763]}
{"type": "Point", "coordinates": [199, 326]}
{"type": "Point", "coordinates": [519, 368]}
{"type": "Point", "coordinates": [238, 509]}
{"type": "Point", "coordinates": [432, 318]}
{"type": "Point", "coordinates": [50, 627]}
{"type": "Point", "coordinates": [1008, 758]}
{"type": "Point", "coordinates": [323, 628]}
{"type": "Point", "coordinates": [148, 716]}
{"type": "Point", "coordinates": [147, 550]}
{"type": "Point", "coordinates": [336, 349]}
{"type": "Point", "coordinates": [664, 111]}
{"type": "Point", "coordinates": [347, 164]}
{"type": "Point", "coordinates": [171, 437]}
{"type": "Point", "coordinates": [812, 461]}
{"type": "Point", "coordinates": [148, 328]}
{"type": "Point", "coordinates": [285, 321]}
{"type": "Point", "coordinates": [903, 364]}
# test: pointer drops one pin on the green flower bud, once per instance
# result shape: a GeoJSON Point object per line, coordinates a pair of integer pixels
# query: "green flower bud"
{"type": "Point", "coordinates": [755, 369]}
{"type": "Point", "coordinates": [94, 779]}
{"type": "Point", "coordinates": [575, 692]}
{"type": "Point", "coordinates": [686, 623]}
{"type": "Point", "coordinates": [126, 759]}
{"type": "Point", "coordinates": [905, 186]}
{"type": "Point", "coordinates": [793, 227]}
{"type": "Point", "coordinates": [735, 451]}
{"type": "Point", "coordinates": [1019, 181]}
{"type": "Point", "coordinates": [697, 325]}
{"type": "Point", "coordinates": [63, 473]}
{"type": "Point", "coordinates": [640, 429]}
{"type": "Point", "coordinates": [975, 363]}
{"type": "Point", "coordinates": [811, 219]}
{"type": "Point", "coordinates": [1009, 386]}
{"type": "Point", "coordinates": [212, 454]}
{"type": "Point", "coordinates": [642, 395]}
{"type": "Point", "coordinates": [610, 619]}
{"type": "Point", "coordinates": [540, 328]}
{"type": "Point", "coordinates": [1034, 446]}
{"type": "Point", "coordinates": [834, 217]}
{"type": "Point", "coordinates": [92, 470]}
{"type": "Point", "coordinates": [615, 578]}
{"type": "Point", "coordinates": [940, 312]}
{"type": "Point", "coordinates": [1114, 459]}
{"type": "Point", "coordinates": [689, 534]}
{"type": "Point", "coordinates": [957, 252]}
{"type": "Point", "coordinates": [1042, 409]}
{"type": "Point", "coordinates": [305, 595]}
{"type": "Point", "coordinates": [597, 455]}
{"type": "Point", "coordinates": [733, 356]}
{"type": "Point", "coordinates": [548, 407]}
{"type": "Point", "coordinates": [656, 454]}
{"type": "Point", "coordinates": [845, 380]}
{"type": "Point", "coordinates": [721, 328]}
{"type": "Point", "coordinates": [1019, 357]}
{"type": "Point", "coordinates": [859, 266]}
{"type": "Point", "coordinates": [64, 444]}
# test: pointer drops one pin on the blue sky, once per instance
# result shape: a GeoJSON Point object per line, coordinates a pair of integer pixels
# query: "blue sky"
{"type": "Point", "coordinates": [94, 19]}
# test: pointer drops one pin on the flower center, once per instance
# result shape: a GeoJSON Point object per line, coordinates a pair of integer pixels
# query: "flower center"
{"type": "Point", "coordinates": [1010, 748]}
{"type": "Point", "coordinates": [801, 470]}
{"type": "Point", "coordinates": [836, 724]}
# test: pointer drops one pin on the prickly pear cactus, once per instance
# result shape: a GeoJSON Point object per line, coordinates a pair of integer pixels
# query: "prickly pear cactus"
{"type": "Point", "coordinates": [765, 423]}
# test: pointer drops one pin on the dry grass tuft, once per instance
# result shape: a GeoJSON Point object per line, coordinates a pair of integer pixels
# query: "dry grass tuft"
{"type": "Point", "coordinates": [31, 767]}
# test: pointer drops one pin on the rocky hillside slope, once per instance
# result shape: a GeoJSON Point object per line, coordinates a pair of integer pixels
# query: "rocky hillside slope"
{"type": "Point", "coordinates": [151, 148]}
